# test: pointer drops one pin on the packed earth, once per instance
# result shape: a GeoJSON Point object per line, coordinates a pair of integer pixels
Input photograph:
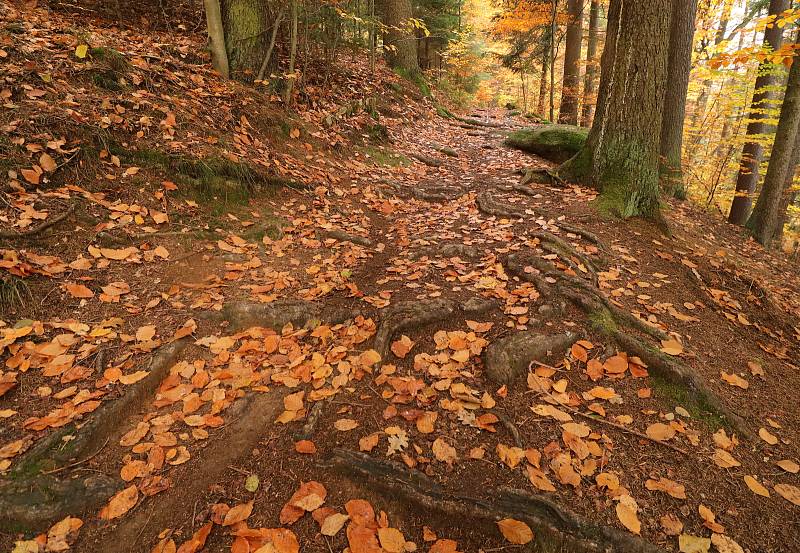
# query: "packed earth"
{"type": "Point", "coordinates": [229, 328]}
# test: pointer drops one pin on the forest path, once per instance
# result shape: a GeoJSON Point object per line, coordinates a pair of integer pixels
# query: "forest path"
{"type": "Point", "coordinates": [378, 334]}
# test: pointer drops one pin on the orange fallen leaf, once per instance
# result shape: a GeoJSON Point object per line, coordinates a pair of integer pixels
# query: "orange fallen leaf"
{"type": "Point", "coordinates": [120, 503]}
{"type": "Point", "coordinates": [515, 531]}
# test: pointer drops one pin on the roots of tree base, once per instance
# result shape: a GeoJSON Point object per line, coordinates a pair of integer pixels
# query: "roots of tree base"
{"type": "Point", "coordinates": [555, 528]}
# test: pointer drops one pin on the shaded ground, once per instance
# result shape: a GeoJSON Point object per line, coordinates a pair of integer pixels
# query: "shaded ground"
{"type": "Point", "coordinates": [279, 295]}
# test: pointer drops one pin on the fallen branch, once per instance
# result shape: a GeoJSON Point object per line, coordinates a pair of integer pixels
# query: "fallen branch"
{"type": "Point", "coordinates": [38, 229]}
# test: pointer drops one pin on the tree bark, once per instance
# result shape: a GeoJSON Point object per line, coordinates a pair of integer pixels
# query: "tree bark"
{"type": "Point", "coordinates": [543, 84]}
{"type": "Point", "coordinates": [570, 84]}
{"type": "Point", "coordinates": [621, 154]}
{"type": "Point", "coordinates": [291, 78]}
{"type": "Point", "coordinates": [589, 78]}
{"type": "Point", "coordinates": [753, 151]}
{"type": "Point", "coordinates": [401, 41]}
{"type": "Point", "coordinates": [216, 37]}
{"type": "Point", "coordinates": [245, 24]}
{"type": "Point", "coordinates": [766, 215]}
{"type": "Point", "coordinates": [679, 67]}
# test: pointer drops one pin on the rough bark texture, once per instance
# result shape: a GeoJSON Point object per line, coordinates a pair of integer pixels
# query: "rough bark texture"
{"type": "Point", "coordinates": [762, 98]}
{"type": "Point", "coordinates": [216, 37]}
{"type": "Point", "coordinates": [622, 152]}
{"type": "Point", "coordinates": [543, 84]}
{"type": "Point", "coordinates": [245, 23]}
{"type": "Point", "coordinates": [589, 78]}
{"type": "Point", "coordinates": [679, 67]}
{"type": "Point", "coordinates": [570, 88]}
{"type": "Point", "coordinates": [766, 215]}
{"type": "Point", "coordinates": [401, 42]}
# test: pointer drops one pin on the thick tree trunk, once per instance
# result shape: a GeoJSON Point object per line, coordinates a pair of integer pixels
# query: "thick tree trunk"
{"type": "Point", "coordinates": [762, 98]}
{"type": "Point", "coordinates": [570, 85]}
{"type": "Point", "coordinates": [401, 40]}
{"type": "Point", "coordinates": [246, 40]}
{"type": "Point", "coordinates": [766, 215]}
{"type": "Point", "coordinates": [621, 154]}
{"type": "Point", "coordinates": [216, 37]}
{"type": "Point", "coordinates": [587, 110]}
{"type": "Point", "coordinates": [680, 62]}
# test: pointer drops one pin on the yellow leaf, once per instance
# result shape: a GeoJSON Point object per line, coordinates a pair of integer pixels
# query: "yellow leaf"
{"type": "Point", "coordinates": [238, 513]}
{"type": "Point", "coordinates": [81, 51]}
{"type": "Point", "coordinates": [755, 486]}
{"type": "Point", "coordinates": [392, 540]}
{"type": "Point", "coordinates": [344, 425]}
{"type": "Point", "coordinates": [515, 531]}
{"type": "Point", "coordinates": [660, 432]}
{"type": "Point", "coordinates": [626, 513]}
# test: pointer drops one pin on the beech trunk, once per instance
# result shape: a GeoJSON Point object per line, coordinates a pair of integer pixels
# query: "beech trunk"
{"type": "Point", "coordinates": [570, 84]}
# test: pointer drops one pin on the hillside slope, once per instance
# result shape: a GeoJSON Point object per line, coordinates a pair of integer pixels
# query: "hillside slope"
{"type": "Point", "coordinates": [231, 327]}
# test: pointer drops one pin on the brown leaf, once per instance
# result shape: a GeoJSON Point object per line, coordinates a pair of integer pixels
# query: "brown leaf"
{"type": "Point", "coordinates": [79, 291]}
{"type": "Point", "coordinates": [626, 513]}
{"type": "Point", "coordinates": [402, 346]}
{"type": "Point", "coordinates": [515, 531]}
{"type": "Point", "coordinates": [667, 486]}
{"type": "Point", "coordinates": [444, 452]}
{"type": "Point", "coordinates": [789, 493]}
{"type": "Point", "coordinates": [392, 540]}
{"type": "Point", "coordinates": [120, 503]}
{"type": "Point", "coordinates": [238, 513]}
{"type": "Point", "coordinates": [660, 432]}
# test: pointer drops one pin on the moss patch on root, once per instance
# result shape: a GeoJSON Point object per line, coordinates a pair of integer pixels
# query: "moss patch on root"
{"type": "Point", "coordinates": [556, 143]}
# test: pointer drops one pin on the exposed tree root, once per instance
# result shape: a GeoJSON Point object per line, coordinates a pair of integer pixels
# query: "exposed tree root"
{"type": "Point", "coordinates": [430, 161]}
{"type": "Point", "coordinates": [33, 499]}
{"type": "Point", "coordinates": [555, 527]}
{"type": "Point", "coordinates": [278, 314]}
{"type": "Point", "coordinates": [489, 206]}
{"type": "Point", "coordinates": [444, 150]}
{"type": "Point", "coordinates": [437, 193]}
{"type": "Point", "coordinates": [408, 315]}
{"type": "Point", "coordinates": [462, 251]}
{"type": "Point", "coordinates": [342, 236]}
{"type": "Point", "coordinates": [479, 123]}
{"type": "Point", "coordinates": [508, 358]}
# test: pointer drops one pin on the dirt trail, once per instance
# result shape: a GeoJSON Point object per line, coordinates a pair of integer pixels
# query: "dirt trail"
{"type": "Point", "coordinates": [459, 259]}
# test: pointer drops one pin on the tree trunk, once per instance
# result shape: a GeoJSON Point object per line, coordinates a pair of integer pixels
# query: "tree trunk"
{"type": "Point", "coordinates": [621, 154]}
{"type": "Point", "coordinates": [553, 28]}
{"type": "Point", "coordinates": [570, 84]}
{"type": "Point", "coordinates": [401, 41]}
{"type": "Point", "coordinates": [245, 24]}
{"type": "Point", "coordinates": [216, 37]}
{"type": "Point", "coordinates": [680, 62]}
{"type": "Point", "coordinates": [591, 69]}
{"type": "Point", "coordinates": [766, 215]}
{"type": "Point", "coordinates": [702, 98]}
{"type": "Point", "coordinates": [543, 85]}
{"type": "Point", "coordinates": [762, 98]}
{"type": "Point", "coordinates": [291, 78]}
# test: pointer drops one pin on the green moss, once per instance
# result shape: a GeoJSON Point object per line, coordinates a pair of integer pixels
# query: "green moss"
{"type": "Point", "coordinates": [386, 158]}
{"type": "Point", "coordinates": [603, 321]}
{"type": "Point", "coordinates": [113, 58]}
{"type": "Point", "coordinates": [417, 78]}
{"type": "Point", "coordinates": [556, 143]}
{"type": "Point", "coordinates": [444, 112]}
{"type": "Point", "coordinates": [696, 404]}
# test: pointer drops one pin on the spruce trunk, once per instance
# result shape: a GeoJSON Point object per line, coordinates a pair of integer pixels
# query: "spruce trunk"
{"type": "Point", "coordinates": [401, 40]}
{"type": "Point", "coordinates": [246, 36]}
{"type": "Point", "coordinates": [621, 154]}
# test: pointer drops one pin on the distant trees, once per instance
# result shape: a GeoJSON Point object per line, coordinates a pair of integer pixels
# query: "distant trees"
{"type": "Point", "coordinates": [763, 96]}
{"type": "Point", "coordinates": [771, 205]}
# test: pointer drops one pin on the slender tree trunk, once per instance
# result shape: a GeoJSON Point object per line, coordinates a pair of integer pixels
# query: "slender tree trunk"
{"type": "Point", "coordinates": [570, 85]}
{"type": "Point", "coordinates": [401, 41]}
{"type": "Point", "coordinates": [702, 99]}
{"type": "Point", "coordinates": [766, 214]}
{"type": "Point", "coordinates": [763, 97]}
{"type": "Point", "coordinates": [680, 62]}
{"type": "Point", "coordinates": [621, 154]}
{"type": "Point", "coordinates": [553, 28]}
{"type": "Point", "coordinates": [216, 37]}
{"type": "Point", "coordinates": [543, 84]}
{"type": "Point", "coordinates": [291, 78]}
{"type": "Point", "coordinates": [268, 56]}
{"type": "Point", "coordinates": [245, 24]}
{"type": "Point", "coordinates": [590, 76]}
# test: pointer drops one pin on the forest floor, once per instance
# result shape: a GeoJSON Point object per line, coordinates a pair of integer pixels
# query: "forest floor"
{"type": "Point", "coordinates": [255, 331]}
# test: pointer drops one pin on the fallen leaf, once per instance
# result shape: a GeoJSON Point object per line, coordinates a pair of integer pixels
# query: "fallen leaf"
{"type": "Point", "coordinates": [789, 493]}
{"type": "Point", "coordinates": [333, 524]}
{"type": "Point", "coordinates": [626, 513]}
{"type": "Point", "coordinates": [392, 540]}
{"type": "Point", "coordinates": [238, 514]}
{"type": "Point", "coordinates": [660, 432]}
{"type": "Point", "coordinates": [767, 436]}
{"type": "Point", "coordinates": [120, 503]}
{"type": "Point", "coordinates": [755, 486]}
{"type": "Point", "coordinates": [444, 452]}
{"type": "Point", "coordinates": [515, 531]}
{"type": "Point", "coordinates": [345, 425]}
{"type": "Point", "coordinates": [693, 544]}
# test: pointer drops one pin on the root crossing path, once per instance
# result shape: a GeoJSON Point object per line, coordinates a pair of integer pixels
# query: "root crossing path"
{"type": "Point", "coordinates": [435, 357]}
